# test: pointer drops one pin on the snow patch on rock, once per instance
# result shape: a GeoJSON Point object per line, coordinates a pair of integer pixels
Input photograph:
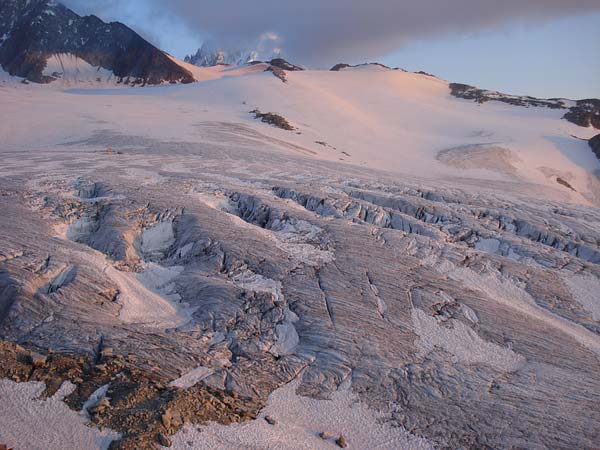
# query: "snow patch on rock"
{"type": "Point", "coordinates": [71, 70]}
{"type": "Point", "coordinates": [66, 389]}
{"type": "Point", "coordinates": [93, 399]}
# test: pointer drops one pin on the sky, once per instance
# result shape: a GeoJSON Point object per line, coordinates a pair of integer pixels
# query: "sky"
{"type": "Point", "coordinates": [544, 48]}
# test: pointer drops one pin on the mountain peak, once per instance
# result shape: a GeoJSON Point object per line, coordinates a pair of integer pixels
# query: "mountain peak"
{"type": "Point", "coordinates": [265, 48]}
{"type": "Point", "coordinates": [32, 31]}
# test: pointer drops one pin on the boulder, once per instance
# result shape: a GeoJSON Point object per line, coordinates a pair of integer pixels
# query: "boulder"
{"type": "Point", "coordinates": [270, 420]}
{"type": "Point", "coordinates": [342, 442]}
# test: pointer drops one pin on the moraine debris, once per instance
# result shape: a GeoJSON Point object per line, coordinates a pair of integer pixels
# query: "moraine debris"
{"type": "Point", "coordinates": [135, 397]}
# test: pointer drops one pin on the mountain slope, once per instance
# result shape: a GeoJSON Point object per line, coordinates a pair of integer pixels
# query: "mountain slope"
{"type": "Point", "coordinates": [32, 31]}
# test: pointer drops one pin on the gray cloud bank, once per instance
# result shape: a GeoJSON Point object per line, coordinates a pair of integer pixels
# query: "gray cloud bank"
{"type": "Point", "coordinates": [321, 32]}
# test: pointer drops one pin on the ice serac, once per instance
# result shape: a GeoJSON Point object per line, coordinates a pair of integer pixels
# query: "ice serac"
{"type": "Point", "coordinates": [33, 31]}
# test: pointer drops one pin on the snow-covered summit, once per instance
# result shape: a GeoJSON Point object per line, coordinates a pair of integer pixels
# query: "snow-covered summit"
{"type": "Point", "coordinates": [265, 48]}
{"type": "Point", "coordinates": [208, 56]}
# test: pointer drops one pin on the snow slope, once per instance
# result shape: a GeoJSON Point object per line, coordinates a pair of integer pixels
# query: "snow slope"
{"type": "Point", "coordinates": [367, 116]}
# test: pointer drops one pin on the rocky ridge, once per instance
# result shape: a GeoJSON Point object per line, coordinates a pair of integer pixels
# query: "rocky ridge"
{"type": "Point", "coordinates": [584, 113]}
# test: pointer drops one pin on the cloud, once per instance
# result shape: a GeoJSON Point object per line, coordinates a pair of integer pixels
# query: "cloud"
{"type": "Point", "coordinates": [322, 32]}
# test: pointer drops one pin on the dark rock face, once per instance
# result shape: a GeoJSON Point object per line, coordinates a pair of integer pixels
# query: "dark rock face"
{"type": "Point", "coordinates": [586, 113]}
{"type": "Point", "coordinates": [595, 144]}
{"type": "Point", "coordinates": [31, 31]}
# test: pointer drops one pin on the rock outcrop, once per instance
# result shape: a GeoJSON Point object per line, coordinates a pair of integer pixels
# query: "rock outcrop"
{"type": "Point", "coordinates": [283, 64]}
{"type": "Point", "coordinates": [585, 114]}
{"type": "Point", "coordinates": [339, 67]}
{"type": "Point", "coordinates": [273, 119]}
